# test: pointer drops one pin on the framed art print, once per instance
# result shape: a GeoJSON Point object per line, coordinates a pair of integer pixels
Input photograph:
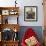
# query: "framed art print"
{"type": "Point", "coordinates": [30, 13]}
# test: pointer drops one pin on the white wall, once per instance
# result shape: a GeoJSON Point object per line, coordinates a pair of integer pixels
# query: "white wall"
{"type": "Point", "coordinates": [21, 4]}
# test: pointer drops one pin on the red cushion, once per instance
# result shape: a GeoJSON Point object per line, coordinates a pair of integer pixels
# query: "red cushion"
{"type": "Point", "coordinates": [29, 33]}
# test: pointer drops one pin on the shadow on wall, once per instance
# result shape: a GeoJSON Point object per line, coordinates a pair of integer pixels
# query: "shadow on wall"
{"type": "Point", "coordinates": [37, 29]}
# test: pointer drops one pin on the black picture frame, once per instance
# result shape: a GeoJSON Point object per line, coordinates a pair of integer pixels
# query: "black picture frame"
{"type": "Point", "coordinates": [30, 13]}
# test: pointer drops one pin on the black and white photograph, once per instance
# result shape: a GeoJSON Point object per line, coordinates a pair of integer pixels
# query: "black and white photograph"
{"type": "Point", "coordinates": [30, 13]}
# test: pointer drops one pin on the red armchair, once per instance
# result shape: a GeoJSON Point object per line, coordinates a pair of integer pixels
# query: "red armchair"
{"type": "Point", "coordinates": [29, 36]}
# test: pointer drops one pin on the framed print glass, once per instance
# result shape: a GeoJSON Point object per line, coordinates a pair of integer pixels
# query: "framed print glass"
{"type": "Point", "coordinates": [30, 13]}
{"type": "Point", "coordinates": [5, 12]}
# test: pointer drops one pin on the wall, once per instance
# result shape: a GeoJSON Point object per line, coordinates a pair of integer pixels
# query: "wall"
{"type": "Point", "coordinates": [23, 3]}
{"type": "Point", "coordinates": [39, 14]}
